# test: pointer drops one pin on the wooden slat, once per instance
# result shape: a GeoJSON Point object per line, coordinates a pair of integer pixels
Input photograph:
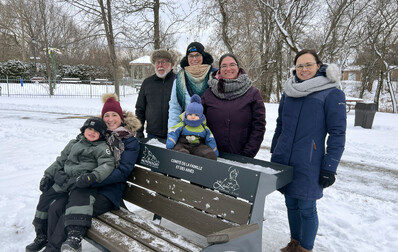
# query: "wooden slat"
{"type": "Point", "coordinates": [112, 239]}
{"type": "Point", "coordinates": [231, 233]}
{"type": "Point", "coordinates": [138, 234]}
{"type": "Point", "coordinates": [176, 212]}
{"type": "Point", "coordinates": [226, 207]}
{"type": "Point", "coordinates": [150, 226]}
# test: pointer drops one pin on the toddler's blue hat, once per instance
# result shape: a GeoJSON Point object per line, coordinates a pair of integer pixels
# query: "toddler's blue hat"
{"type": "Point", "coordinates": [195, 107]}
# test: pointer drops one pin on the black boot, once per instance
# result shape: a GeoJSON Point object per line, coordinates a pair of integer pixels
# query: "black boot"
{"type": "Point", "coordinates": [39, 242]}
{"type": "Point", "coordinates": [74, 240]}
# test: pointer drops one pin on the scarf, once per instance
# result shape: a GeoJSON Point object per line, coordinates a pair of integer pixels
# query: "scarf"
{"type": "Point", "coordinates": [192, 79]}
{"type": "Point", "coordinates": [230, 89]}
{"type": "Point", "coordinates": [298, 88]}
{"type": "Point", "coordinates": [115, 143]}
{"type": "Point", "coordinates": [193, 123]}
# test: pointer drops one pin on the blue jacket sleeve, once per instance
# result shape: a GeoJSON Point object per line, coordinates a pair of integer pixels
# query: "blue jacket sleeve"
{"type": "Point", "coordinates": [211, 141]}
{"type": "Point", "coordinates": [172, 137]}
{"type": "Point", "coordinates": [126, 164]}
{"type": "Point", "coordinates": [336, 123]}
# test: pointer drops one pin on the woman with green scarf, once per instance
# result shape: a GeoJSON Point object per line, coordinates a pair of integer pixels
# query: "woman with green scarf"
{"type": "Point", "coordinates": [191, 79]}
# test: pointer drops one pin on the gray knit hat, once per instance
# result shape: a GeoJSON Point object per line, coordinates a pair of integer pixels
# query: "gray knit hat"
{"type": "Point", "coordinates": [171, 55]}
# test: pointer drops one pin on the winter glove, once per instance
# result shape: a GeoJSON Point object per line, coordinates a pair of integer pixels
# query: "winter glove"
{"type": "Point", "coordinates": [86, 180]}
{"type": "Point", "coordinates": [45, 184]}
{"type": "Point", "coordinates": [60, 177]}
{"type": "Point", "coordinates": [326, 179]}
{"type": "Point", "coordinates": [139, 135]}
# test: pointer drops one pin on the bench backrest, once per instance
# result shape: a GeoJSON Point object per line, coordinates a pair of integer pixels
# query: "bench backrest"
{"type": "Point", "coordinates": [199, 209]}
{"type": "Point", "coordinates": [200, 194]}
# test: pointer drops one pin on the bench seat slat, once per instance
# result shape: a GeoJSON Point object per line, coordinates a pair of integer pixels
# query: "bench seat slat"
{"type": "Point", "coordinates": [148, 225]}
{"type": "Point", "coordinates": [179, 213]}
{"type": "Point", "coordinates": [113, 239]}
{"type": "Point", "coordinates": [212, 202]}
{"type": "Point", "coordinates": [136, 232]}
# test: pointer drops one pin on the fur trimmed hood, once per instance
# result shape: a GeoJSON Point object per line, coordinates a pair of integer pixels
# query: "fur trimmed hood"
{"type": "Point", "coordinates": [333, 73]}
{"type": "Point", "coordinates": [131, 121]}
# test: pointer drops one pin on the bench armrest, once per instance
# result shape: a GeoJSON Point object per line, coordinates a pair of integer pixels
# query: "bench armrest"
{"type": "Point", "coordinates": [231, 233]}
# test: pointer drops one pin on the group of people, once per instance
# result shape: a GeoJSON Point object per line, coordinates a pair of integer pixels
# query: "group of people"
{"type": "Point", "coordinates": [230, 111]}
{"type": "Point", "coordinates": [201, 110]}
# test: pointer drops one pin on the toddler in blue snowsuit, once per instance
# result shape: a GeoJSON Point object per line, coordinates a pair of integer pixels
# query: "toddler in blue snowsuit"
{"type": "Point", "coordinates": [191, 135]}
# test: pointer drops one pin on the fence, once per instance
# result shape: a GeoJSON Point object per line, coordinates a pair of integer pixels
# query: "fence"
{"type": "Point", "coordinates": [80, 88]}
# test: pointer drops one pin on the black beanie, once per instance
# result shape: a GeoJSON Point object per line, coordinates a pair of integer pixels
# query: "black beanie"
{"type": "Point", "coordinates": [196, 47]}
{"type": "Point", "coordinates": [96, 123]}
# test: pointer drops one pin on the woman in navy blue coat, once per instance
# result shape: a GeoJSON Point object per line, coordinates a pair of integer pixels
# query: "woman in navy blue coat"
{"type": "Point", "coordinates": [311, 108]}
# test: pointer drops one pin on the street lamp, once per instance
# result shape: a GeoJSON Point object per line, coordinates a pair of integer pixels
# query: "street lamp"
{"type": "Point", "coordinates": [34, 52]}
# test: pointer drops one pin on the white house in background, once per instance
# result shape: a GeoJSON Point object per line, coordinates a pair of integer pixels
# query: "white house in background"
{"type": "Point", "coordinates": [353, 73]}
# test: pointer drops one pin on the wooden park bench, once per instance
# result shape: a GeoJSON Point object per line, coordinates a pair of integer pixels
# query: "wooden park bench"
{"type": "Point", "coordinates": [71, 81]}
{"type": "Point", "coordinates": [221, 202]}
{"type": "Point", "coordinates": [101, 82]}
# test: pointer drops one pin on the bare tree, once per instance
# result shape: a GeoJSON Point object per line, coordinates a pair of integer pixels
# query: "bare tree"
{"type": "Point", "coordinates": [225, 23]}
{"type": "Point", "coordinates": [383, 27]}
{"type": "Point", "coordinates": [292, 19]}
{"type": "Point", "coordinates": [102, 15]}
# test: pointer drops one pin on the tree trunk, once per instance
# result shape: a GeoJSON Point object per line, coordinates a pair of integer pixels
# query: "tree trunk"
{"type": "Point", "coordinates": [50, 77]}
{"type": "Point", "coordinates": [106, 14]}
{"type": "Point", "coordinates": [378, 90]}
{"type": "Point", "coordinates": [392, 93]}
{"type": "Point", "coordinates": [224, 26]}
{"type": "Point", "coordinates": [156, 24]}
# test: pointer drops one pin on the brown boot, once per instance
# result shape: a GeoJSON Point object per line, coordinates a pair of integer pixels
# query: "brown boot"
{"type": "Point", "coordinates": [291, 246]}
{"type": "Point", "coordinates": [301, 249]}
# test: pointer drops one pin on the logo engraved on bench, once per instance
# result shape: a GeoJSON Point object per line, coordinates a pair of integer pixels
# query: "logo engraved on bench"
{"type": "Point", "coordinates": [229, 184]}
{"type": "Point", "coordinates": [150, 159]}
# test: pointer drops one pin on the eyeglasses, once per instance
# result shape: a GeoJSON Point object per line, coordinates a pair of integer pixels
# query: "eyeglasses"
{"type": "Point", "coordinates": [230, 65]}
{"type": "Point", "coordinates": [161, 62]}
{"type": "Point", "coordinates": [191, 56]}
{"type": "Point", "coordinates": [308, 66]}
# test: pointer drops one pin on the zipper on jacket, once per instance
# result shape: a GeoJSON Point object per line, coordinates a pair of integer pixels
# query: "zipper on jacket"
{"type": "Point", "coordinates": [313, 148]}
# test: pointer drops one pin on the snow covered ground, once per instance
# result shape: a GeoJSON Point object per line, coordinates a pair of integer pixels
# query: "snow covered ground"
{"type": "Point", "coordinates": [358, 213]}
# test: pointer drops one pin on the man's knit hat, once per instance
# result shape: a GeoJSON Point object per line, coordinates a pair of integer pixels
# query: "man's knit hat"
{"type": "Point", "coordinates": [95, 123]}
{"type": "Point", "coordinates": [111, 104]}
{"type": "Point", "coordinates": [195, 107]}
{"type": "Point", "coordinates": [170, 55]}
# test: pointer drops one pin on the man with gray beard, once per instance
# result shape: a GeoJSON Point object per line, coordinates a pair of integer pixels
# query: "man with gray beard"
{"type": "Point", "coordinates": [153, 99]}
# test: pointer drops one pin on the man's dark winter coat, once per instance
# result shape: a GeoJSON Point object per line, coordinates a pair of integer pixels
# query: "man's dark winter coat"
{"type": "Point", "coordinates": [153, 104]}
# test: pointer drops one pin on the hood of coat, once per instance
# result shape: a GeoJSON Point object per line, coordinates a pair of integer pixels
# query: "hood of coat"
{"type": "Point", "coordinates": [131, 121]}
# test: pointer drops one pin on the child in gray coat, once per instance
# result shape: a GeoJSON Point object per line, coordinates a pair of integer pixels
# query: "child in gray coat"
{"type": "Point", "coordinates": [85, 160]}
